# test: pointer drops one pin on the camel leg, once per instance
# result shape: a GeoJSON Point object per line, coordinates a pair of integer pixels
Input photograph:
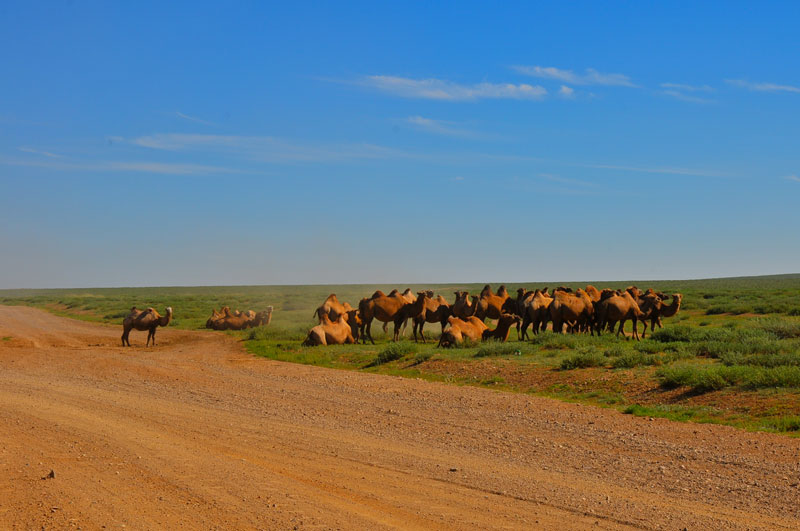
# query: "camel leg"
{"type": "Point", "coordinates": [125, 337]}
{"type": "Point", "coordinates": [397, 324]}
{"type": "Point", "coordinates": [368, 333]}
{"type": "Point", "coordinates": [635, 330]}
{"type": "Point", "coordinates": [524, 328]}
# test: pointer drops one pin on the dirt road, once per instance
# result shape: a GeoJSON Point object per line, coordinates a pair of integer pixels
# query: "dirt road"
{"type": "Point", "coordinates": [196, 433]}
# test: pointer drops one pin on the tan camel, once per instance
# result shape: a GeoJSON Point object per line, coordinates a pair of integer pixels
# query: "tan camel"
{"type": "Point", "coordinates": [436, 311]}
{"type": "Point", "coordinates": [459, 329]}
{"type": "Point", "coordinates": [500, 333]}
{"type": "Point", "coordinates": [330, 333]}
{"type": "Point", "coordinates": [536, 311]}
{"type": "Point", "coordinates": [593, 293]}
{"type": "Point", "coordinates": [330, 306]}
{"type": "Point", "coordinates": [144, 320]}
{"type": "Point", "coordinates": [491, 305]}
{"type": "Point", "coordinates": [619, 308]}
{"type": "Point", "coordinates": [215, 316]}
{"type": "Point", "coordinates": [573, 309]}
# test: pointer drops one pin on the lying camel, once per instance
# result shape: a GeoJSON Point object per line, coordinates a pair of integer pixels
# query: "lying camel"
{"type": "Point", "coordinates": [240, 320]}
{"type": "Point", "coordinates": [458, 329]}
{"type": "Point", "coordinates": [144, 320]}
{"type": "Point", "coordinates": [500, 333]}
{"type": "Point", "coordinates": [330, 333]}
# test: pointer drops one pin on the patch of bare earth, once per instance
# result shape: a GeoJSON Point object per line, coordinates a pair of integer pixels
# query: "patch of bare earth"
{"type": "Point", "coordinates": [195, 433]}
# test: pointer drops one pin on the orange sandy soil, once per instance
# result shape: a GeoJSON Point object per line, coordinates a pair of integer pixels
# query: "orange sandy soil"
{"type": "Point", "coordinates": [195, 433]}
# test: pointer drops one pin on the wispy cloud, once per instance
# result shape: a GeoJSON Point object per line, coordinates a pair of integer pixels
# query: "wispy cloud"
{"type": "Point", "coordinates": [38, 152]}
{"type": "Point", "coordinates": [438, 89]}
{"type": "Point", "coordinates": [687, 88]}
{"type": "Point", "coordinates": [686, 97]}
{"type": "Point", "coordinates": [566, 92]}
{"type": "Point", "coordinates": [794, 178]}
{"type": "Point", "coordinates": [265, 148]}
{"type": "Point", "coordinates": [192, 118]}
{"type": "Point", "coordinates": [564, 180]}
{"type": "Point", "coordinates": [762, 87]}
{"type": "Point", "coordinates": [438, 127]}
{"type": "Point", "coordinates": [116, 166]}
{"type": "Point", "coordinates": [589, 77]}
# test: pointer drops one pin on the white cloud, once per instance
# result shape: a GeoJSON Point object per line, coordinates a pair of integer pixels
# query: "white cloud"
{"type": "Point", "coordinates": [589, 77]}
{"type": "Point", "coordinates": [685, 97]}
{"type": "Point", "coordinates": [566, 92]}
{"type": "Point", "coordinates": [192, 118]}
{"type": "Point", "coordinates": [762, 87]}
{"type": "Point", "coordinates": [39, 152]}
{"type": "Point", "coordinates": [264, 148]}
{"type": "Point", "coordinates": [794, 178]}
{"type": "Point", "coordinates": [438, 127]}
{"type": "Point", "coordinates": [438, 89]}
{"type": "Point", "coordinates": [116, 166]}
{"type": "Point", "coordinates": [687, 88]}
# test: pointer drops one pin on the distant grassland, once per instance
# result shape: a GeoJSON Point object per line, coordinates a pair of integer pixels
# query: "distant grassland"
{"type": "Point", "coordinates": [732, 355]}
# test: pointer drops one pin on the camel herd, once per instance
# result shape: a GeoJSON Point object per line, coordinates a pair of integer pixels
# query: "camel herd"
{"type": "Point", "coordinates": [225, 319]}
{"type": "Point", "coordinates": [582, 310]}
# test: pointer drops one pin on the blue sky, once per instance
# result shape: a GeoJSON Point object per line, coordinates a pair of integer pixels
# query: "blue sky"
{"type": "Point", "coordinates": [198, 143]}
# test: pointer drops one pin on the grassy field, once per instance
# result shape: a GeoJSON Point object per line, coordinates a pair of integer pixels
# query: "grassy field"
{"type": "Point", "coordinates": [732, 355]}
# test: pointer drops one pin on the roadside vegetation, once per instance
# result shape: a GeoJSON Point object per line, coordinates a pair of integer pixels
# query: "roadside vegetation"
{"type": "Point", "coordinates": [731, 355]}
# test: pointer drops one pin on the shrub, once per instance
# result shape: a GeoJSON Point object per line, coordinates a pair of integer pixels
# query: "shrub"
{"type": "Point", "coordinates": [496, 348]}
{"type": "Point", "coordinates": [582, 359]}
{"type": "Point", "coordinates": [393, 352]}
{"type": "Point", "coordinates": [635, 359]}
{"type": "Point", "coordinates": [780, 328]}
{"type": "Point", "coordinates": [673, 333]}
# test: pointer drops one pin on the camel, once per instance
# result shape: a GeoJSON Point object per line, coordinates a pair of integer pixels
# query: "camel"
{"type": "Point", "coordinates": [490, 305]}
{"type": "Point", "coordinates": [436, 311]}
{"type": "Point", "coordinates": [409, 296]}
{"type": "Point", "coordinates": [619, 307]}
{"type": "Point", "coordinates": [330, 306]}
{"type": "Point", "coordinates": [458, 329]}
{"type": "Point", "coordinates": [215, 316]}
{"type": "Point", "coordinates": [574, 309]}
{"type": "Point", "coordinates": [462, 307]}
{"type": "Point", "coordinates": [329, 332]}
{"type": "Point", "coordinates": [536, 312]}
{"type": "Point", "coordinates": [382, 307]}
{"type": "Point", "coordinates": [500, 333]}
{"type": "Point", "coordinates": [144, 320]}
{"type": "Point", "coordinates": [593, 293]}
{"type": "Point", "coordinates": [663, 310]}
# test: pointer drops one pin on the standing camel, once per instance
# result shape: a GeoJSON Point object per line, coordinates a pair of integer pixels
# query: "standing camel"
{"type": "Point", "coordinates": [382, 307]}
{"type": "Point", "coordinates": [144, 320]}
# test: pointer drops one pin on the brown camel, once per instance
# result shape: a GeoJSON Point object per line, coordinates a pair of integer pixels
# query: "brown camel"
{"type": "Point", "coordinates": [573, 309]}
{"type": "Point", "coordinates": [409, 297]}
{"type": "Point", "coordinates": [619, 307]}
{"type": "Point", "coordinates": [436, 311]}
{"type": "Point", "coordinates": [382, 307]}
{"type": "Point", "coordinates": [536, 312]}
{"type": "Point", "coordinates": [330, 306]}
{"type": "Point", "coordinates": [215, 316]}
{"type": "Point", "coordinates": [459, 329]}
{"type": "Point", "coordinates": [593, 293]}
{"type": "Point", "coordinates": [144, 320]}
{"type": "Point", "coordinates": [491, 305]}
{"type": "Point", "coordinates": [500, 333]}
{"type": "Point", "coordinates": [664, 310]}
{"type": "Point", "coordinates": [463, 308]}
{"type": "Point", "coordinates": [330, 333]}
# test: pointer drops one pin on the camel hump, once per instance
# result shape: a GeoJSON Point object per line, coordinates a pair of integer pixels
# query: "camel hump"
{"type": "Point", "coordinates": [133, 308]}
{"type": "Point", "coordinates": [378, 293]}
{"type": "Point", "coordinates": [393, 293]}
{"type": "Point", "coordinates": [150, 310]}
